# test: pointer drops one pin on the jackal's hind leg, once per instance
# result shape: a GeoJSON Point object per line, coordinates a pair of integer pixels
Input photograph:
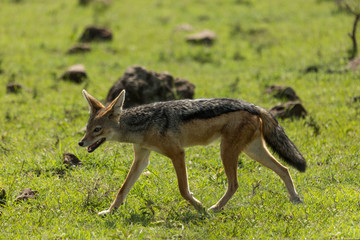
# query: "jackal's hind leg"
{"type": "Point", "coordinates": [141, 161]}
{"type": "Point", "coordinates": [258, 151]}
{"type": "Point", "coordinates": [178, 161]}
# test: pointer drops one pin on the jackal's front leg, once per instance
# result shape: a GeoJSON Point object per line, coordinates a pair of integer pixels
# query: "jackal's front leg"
{"type": "Point", "coordinates": [141, 161]}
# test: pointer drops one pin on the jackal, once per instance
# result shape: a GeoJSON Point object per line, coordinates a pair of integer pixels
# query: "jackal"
{"type": "Point", "coordinates": [169, 127]}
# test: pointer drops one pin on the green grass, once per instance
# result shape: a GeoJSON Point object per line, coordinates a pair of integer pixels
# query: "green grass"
{"type": "Point", "coordinates": [259, 42]}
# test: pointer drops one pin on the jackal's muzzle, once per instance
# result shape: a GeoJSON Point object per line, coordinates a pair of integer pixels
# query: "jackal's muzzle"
{"type": "Point", "coordinates": [93, 146]}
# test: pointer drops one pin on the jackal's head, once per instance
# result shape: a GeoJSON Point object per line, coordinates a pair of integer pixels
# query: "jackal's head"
{"type": "Point", "coordinates": [102, 122]}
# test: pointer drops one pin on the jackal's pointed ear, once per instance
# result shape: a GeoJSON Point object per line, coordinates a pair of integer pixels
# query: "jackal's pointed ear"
{"type": "Point", "coordinates": [115, 107]}
{"type": "Point", "coordinates": [94, 105]}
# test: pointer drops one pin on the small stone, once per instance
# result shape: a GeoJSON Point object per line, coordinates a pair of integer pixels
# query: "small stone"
{"type": "Point", "coordinates": [2, 197]}
{"type": "Point", "coordinates": [284, 92]}
{"type": "Point", "coordinates": [184, 28]}
{"type": "Point", "coordinates": [312, 69]}
{"type": "Point", "coordinates": [84, 2]}
{"type": "Point", "coordinates": [80, 48]}
{"type": "Point", "coordinates": [26, 194]}
{"type": "Point", "coordinates": [71, 160]}
{"type": "Point", "coordinates": [356, 99]}
{"type": "Point", "coordinates": [75, 73]}
{"type": "Point", "coordinates": [94, 33]}
{"type": "Point", "coordinates": [13, 88]}
{"type": "Point", "coordinates": [289, 110]}
{"type": "Point", "coordinates": [206, 37]}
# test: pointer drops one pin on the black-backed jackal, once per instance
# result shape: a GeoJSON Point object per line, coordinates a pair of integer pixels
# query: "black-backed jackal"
{"type": "Point", "coordinates": [169, 127]}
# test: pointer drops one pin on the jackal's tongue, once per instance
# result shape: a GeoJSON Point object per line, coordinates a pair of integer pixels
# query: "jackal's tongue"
{"type": "Point", "coordinates": [94, 146]}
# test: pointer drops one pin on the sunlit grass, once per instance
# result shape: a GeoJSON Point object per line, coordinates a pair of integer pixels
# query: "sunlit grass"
{"type": "Point", "coordinates": [259, 43]}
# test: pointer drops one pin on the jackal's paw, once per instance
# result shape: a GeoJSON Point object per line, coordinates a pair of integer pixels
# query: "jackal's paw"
{"type": "Point", "coordinates": [198, 205]}
{"type": "Point", "coordinates": [215, 208]}
{"type": "Point", "coordinates": [296, 199]}
{"type": "Point", "coordinates": [104, 213]}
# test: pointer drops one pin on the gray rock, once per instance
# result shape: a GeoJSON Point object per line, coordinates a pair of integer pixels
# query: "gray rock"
{"type": "Point", "coordinates": [143, 86]}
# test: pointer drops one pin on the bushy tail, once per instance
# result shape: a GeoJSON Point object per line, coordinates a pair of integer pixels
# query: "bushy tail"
{"type": "Point", "coordinates": [278, 141]}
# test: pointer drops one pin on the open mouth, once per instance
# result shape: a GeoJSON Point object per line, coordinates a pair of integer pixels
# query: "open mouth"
{"type": "Point", "coordinates": [94, 146]}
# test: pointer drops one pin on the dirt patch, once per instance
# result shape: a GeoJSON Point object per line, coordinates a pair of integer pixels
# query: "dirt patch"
{"type": "Point", "coordinates": [75, 73]}
{"type": "Point", "coordinates": [144, 86]}
{"type": "Point", "coordinates": [354, 64]}
{"type": "Point", "coordinates": [27, 193]}
{"type": "Point", "coordinates": [94, 33]}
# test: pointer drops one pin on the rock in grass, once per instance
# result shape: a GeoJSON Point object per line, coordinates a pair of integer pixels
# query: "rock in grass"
{"type": "Point", "coordinates": [87, 2]}
{"type": "Point", "coordinates": [312, 69]}
{"type": "Point", "coordinates": [290, 109]}
{"type": "Point", "coordinates": [94, 33]}
{"type": "Point", "coordinates": [205, 37]}
{"type": "Point", "coordinates": [75, 73]}
{"type": "Point", "coordinates": [356, 99]}
{"type": "Point", "coordinates": [13, 88]}
{"type": "Point", "coordinates": [184, 27]}
{"type": "Point", "coordinates": [283, 92]}
{"type": "Point", "coordinates": [2, 197]}
{"type": "Point", "coordinates": [79, 48]}
{"type": "Point", "coordinates": [184, 89]}
{"type": "Point", "coordinates": [293, 110]}
{"type": "Point", "coordinates": [71, 160]}
{"type": "Point", "coordinates": [144, 86]}
{"type": "Point", "coordinates": [27, 193]}
{"type": "Point", "coordinates": [84, 2]}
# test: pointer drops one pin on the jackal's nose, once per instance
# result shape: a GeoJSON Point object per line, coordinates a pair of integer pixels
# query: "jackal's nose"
{"type": "Point", "coordinates": [81, 144]}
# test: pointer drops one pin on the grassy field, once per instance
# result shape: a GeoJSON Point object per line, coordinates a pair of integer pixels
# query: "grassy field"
{"type": "Point", "coordinates": [259, 43]}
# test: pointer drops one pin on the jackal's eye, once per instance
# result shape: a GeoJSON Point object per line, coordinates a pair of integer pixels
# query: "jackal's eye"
{"type": "Point", "coordinates": [97, 129]}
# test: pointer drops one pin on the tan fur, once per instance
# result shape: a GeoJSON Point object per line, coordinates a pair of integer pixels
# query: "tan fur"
{"type": "Point", "coordinates": [239, 131]}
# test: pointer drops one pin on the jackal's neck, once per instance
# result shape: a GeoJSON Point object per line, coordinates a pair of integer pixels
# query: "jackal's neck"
{"type": "Point", "coordinates": [124, 133]}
